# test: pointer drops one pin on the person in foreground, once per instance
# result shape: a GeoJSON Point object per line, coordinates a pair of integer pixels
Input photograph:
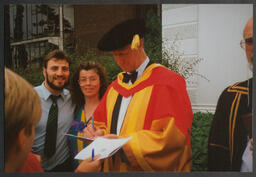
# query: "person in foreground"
{"type": "Point", "coordinates": [147, 102]}
{"type": "Point", "coordinates": [88, 85]}
{"type": "Point", "coordinates": [230, 140]}
{"type": "Point", "coordinates": [22, 113]}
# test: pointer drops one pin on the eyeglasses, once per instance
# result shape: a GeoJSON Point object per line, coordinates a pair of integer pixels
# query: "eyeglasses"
{"type": "Point", "coordinates": [247, 41]}
{"type": "Point", "coordinates": [83, 81]}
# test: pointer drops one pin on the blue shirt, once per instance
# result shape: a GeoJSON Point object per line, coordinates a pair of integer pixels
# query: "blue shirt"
{"type": "Point", "coordinates": [65, 118]}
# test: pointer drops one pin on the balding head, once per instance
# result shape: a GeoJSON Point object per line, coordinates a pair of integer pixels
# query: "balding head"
{"type": "Point", "coordinates": [248, 33]}
{"type": "Point", "coordinates": [248, 29]}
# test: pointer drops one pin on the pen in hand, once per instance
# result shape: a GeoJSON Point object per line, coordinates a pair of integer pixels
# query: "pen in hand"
{"type": "Point", "coordinates": [92, 154]}
{"type": "Point", "coordinates": [92, 121]}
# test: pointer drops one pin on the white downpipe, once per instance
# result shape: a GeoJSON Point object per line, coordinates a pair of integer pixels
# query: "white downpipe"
{"type": "Point", "coordinates": [61, 45]}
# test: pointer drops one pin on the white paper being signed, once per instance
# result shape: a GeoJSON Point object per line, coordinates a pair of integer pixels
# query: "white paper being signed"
{"type": "Point", "coordinates": [103, 146]}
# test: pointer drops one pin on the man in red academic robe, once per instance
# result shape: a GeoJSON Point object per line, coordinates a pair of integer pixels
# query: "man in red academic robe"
{"type": "Point", "coordinates": [147, 102]}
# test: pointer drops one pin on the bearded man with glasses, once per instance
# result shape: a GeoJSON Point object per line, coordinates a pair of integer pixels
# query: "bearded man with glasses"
{"type": "Point", "coordinates": [230, 140]}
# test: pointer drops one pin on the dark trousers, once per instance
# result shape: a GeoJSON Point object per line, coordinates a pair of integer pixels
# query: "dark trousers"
{"type": "Point", "coordinates": [67, 166]}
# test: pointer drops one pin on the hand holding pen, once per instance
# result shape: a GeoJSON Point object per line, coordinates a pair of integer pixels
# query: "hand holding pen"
{"type": "Point", "coordinates": [90, 165]}
{"type": "Point", "coordinates": [91, 131]}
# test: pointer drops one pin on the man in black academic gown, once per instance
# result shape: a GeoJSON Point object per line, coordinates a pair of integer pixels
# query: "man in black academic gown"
{"type": "Point", "coordinates": [230, 132]}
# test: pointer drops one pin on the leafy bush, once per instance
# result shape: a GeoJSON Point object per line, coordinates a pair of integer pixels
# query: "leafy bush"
{"type": "Point", "coordinates": [34, 75]}
{"type": "Point", "coordinates": [199, 140]}
{"type": "Point", "coordinates": [106, 60]}
{"type": "Point", "coordinates": [173, 58]}
{"type": "Point", "coordinates": [171, 55]}
{"type": "Point", "coordinates": [153, 37]}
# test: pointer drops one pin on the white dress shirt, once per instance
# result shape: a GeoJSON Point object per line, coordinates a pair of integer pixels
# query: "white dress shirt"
{"type": "Point", "coordinates": [246, 165]}
{"type": "Point", "coordinates": [125, 101]}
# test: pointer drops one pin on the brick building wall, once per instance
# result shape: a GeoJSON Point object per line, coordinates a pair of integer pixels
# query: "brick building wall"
{"type": "Point", "coordinates": [92, 21]}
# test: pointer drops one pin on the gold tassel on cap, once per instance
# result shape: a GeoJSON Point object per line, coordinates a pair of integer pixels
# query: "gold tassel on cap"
{"type": "Point", "coordinates": [135, 42]}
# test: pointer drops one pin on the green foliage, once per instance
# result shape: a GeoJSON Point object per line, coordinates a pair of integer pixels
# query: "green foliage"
{"type": "Point", "coordinates": [34, 75]}
{"type": "Point", "coordinates": [153, 38]}
{"type": "Point", "coordinates": [106, 60]}
{"type": "Point", "coordinates": [199, 140]}
{"type": "Point", "coordinates": [174, 59]}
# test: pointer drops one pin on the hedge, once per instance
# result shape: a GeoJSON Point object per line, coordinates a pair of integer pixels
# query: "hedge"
{"type": "Point", "coordinates": [199, 140]}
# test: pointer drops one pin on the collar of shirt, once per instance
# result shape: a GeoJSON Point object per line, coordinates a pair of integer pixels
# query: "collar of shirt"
{"type": "Point", "coordinates": [47, 93]}
{"type": "Point", "coordinates": [141, 68]}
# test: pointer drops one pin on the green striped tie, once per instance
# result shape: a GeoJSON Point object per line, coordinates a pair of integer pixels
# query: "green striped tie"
{"type": "Point", "coordinates": [51, 128]}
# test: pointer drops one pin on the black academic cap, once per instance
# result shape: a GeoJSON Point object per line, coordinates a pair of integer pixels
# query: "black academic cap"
{"type": "Point", "coordinates": [121, 34]}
